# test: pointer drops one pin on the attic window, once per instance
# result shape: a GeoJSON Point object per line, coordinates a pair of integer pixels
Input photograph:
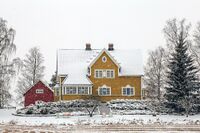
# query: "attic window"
{"type": "Point", "coordinates": [104, 59]}
{"type": "Point", "coordinates": [39, 91]}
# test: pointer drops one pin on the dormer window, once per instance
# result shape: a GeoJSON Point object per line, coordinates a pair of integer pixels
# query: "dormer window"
{"type": "Point", "coordinates": [104, 59]}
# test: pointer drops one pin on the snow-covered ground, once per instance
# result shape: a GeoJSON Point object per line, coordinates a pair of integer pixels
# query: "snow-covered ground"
{"type": "Point", "coordinates": [6, 117]}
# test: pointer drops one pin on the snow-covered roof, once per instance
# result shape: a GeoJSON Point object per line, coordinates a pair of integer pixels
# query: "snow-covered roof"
{"type": "Point", "coordinates": [44, 83]}
{"type": "Point", "coordinates": [129, 60]}
{"type": "Point", "coordinates": [74, 63]}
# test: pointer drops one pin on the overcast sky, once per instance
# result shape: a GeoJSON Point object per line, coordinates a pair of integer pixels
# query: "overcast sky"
{"type": "Point", "coordinates": [56, 24]}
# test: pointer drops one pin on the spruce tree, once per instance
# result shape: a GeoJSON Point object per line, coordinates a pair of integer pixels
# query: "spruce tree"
{"type": "Point", "coordinates": [182, 73]}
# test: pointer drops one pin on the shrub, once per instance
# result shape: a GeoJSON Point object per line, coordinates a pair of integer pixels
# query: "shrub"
{"type": "Point", "coordinates": [44, 111]}
{"type": "Point", "coordinates": [29, 111]}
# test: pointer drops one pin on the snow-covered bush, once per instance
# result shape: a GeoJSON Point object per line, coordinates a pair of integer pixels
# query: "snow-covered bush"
{"type": "Point", "coordinates": [133, 107]}
{"type": "Point", "coordinates": [56, 107]}
{"type": "Point", "coordinates": [29, 111]}
{"type": "Point", "coordinates": [127, 104]}
{"type": "Point", "coordinates": [44, 111]}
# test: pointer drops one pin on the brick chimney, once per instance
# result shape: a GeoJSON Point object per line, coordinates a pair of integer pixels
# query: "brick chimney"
{"type": "Point", "coordinates": [88, 46]}
{"type": "Point", "coordinates": [110, 47]}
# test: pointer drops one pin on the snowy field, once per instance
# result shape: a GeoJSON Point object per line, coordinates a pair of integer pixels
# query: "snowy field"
{"type": "Point", "coordinates": [99, 123]}
{"type": "Point", "coordinates": [6, 117]}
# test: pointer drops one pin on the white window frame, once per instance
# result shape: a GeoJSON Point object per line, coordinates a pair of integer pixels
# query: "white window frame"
{"type": "Point", "coordinates": [104, 57]}
{"type": "Point", "coordinates": [104, 73]}
{"type": "Point", "coordinates": [39, 91]}
{"type": "Point", "coordinates": [68, 89]}
{"type": "Point", "coordinates": [104, 86]}
{"type": "Point", "coordinates": [110, 70]}
{"type": "Point", "coordinates": [83, 89]}
{"type": "Point", "coordinates": [98, 71]}
{"type": "Point", "coordinates": [128, 86]}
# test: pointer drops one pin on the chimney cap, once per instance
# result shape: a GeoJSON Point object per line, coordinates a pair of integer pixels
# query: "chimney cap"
{"type": "Point", "coordinates": [110, 46]}
{"type": "Point", "coordinates": [88, 46]}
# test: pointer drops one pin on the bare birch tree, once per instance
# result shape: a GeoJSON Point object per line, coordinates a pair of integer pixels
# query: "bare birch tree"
{"type": "Point", "coordinates": [195, 49]}
{"type": "Point", "coordinates": [154, 73]}
{"type": "Point", "coordinates": [8, 66]}
{"type": "Point", "coordinates": [197, 35]}
{"type": "Point", "coordinates": [32, 71]}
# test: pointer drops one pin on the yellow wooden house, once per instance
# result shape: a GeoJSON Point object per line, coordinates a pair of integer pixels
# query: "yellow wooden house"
{"type": "Point", "coordinates": [107, 73]}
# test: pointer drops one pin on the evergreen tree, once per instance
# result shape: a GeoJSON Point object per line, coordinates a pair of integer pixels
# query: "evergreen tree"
{"type": "Point", "coordinates": [53, 80]}
{"type": "Point", "coordinates": [182, 78]}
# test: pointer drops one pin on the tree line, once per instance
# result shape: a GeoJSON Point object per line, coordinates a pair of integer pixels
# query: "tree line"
{"type": "Point", "coordinates": [29, 70]}
{"type": "Point", "coordinates": [172, 72]}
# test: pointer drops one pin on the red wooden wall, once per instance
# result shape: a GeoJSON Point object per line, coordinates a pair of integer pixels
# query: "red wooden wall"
{"type": "Point", "coordinates": [31, 96]}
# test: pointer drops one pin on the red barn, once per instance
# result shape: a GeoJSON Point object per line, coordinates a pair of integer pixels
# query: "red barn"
{"type": "Point", "coordinates": [38, 92]}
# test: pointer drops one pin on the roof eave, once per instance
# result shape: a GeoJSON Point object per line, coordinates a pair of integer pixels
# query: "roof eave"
{"type": "Point", "coordinates": [135, 75]}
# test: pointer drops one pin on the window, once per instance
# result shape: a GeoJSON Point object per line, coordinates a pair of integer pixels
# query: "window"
{"type": "Point", "coordinates": [69, 90]}
{"type": "Point", "coordinates": [98, 73]}
{"type": "Point", "coordinates": [76, 90]}
{"type": "Point", "coordinates": [56, 90]}
{"type": "Point", "coordinates": [128, 91]}
{"type": "Point", "coordinates": [110, 73]}
{"type": "Point", "coordinates": [104, 73]}
{"type": "Point", "coordinates": [104, 91]}
{"type": "Point", "coordinates": [143, 93]}
{"type": "Point", "coordinates": [83, 90]}
{"type": "Point", "coordinates": [39, 91]}
{"type": "Point", "coordinates": [120, 70]}
{"type": "Point", "coordinates": [104, 59]}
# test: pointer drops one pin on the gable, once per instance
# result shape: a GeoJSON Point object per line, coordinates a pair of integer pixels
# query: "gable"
{"type": "Point", "coordinates": [105, 62]}
{"type": "Point", "coordinates": [35, 87]}
{"type": "Point", "coordinates": [109, 59]}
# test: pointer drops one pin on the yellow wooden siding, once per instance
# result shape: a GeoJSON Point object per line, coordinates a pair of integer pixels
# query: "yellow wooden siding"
{"type": "Point", "coordinates": [116, 83]}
